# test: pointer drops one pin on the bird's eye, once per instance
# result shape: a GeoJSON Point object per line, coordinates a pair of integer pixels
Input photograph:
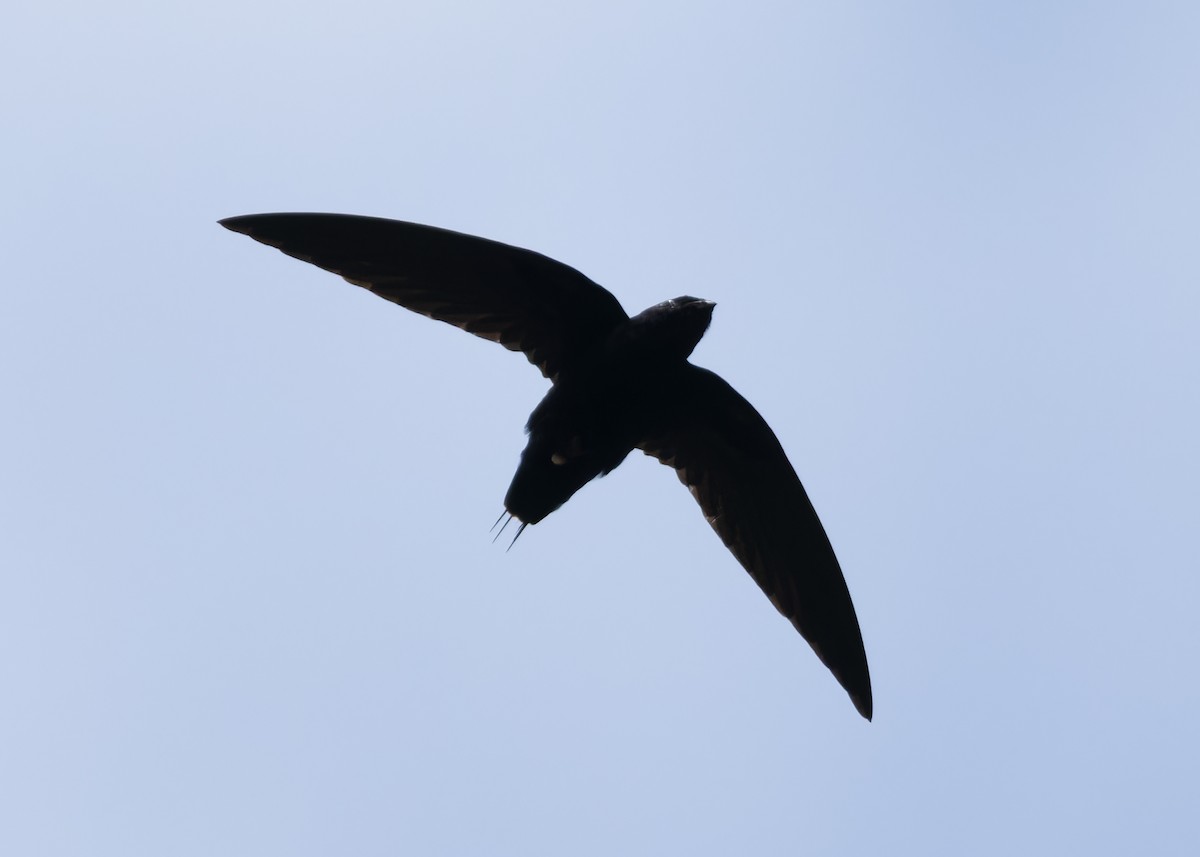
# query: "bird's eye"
{"type": "Point", "coordinates": [573, 449]}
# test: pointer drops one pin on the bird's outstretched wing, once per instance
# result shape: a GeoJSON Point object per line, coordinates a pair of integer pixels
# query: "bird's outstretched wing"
{"type": "Point", "coordinates": [729, 458]}
{"type": "Point", "coordinates": [523, 300]}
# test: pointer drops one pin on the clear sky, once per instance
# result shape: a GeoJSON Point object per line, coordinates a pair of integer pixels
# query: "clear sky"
{"type": "Point", "coordinates": [249, 604]}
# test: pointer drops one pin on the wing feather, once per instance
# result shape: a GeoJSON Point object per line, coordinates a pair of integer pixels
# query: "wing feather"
{"type": "Point", "coordinates": [735, 467]}
{"type": "Point", "coordinates": [523, 300]}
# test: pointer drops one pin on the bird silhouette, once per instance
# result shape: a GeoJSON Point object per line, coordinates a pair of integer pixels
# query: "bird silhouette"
{"type": "Point", "coordinates": [617, 384]}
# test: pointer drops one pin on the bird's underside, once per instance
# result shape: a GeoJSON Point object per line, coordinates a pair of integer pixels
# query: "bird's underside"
{"type": "Point", "coordinates": [618, 384]}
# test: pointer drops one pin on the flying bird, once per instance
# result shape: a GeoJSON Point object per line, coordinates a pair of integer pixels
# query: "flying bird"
{"type": "Point", "coordinates": [617, 384]}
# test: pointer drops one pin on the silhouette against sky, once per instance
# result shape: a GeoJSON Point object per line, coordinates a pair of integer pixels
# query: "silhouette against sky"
{"type": "Point", "coordinates": [619, 384]}
{"type": "Point", "coordinates": [249, 600]}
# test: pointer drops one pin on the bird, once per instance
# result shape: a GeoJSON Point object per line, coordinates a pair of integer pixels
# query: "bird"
{"type": "Point", "coordinates": [617, 383]}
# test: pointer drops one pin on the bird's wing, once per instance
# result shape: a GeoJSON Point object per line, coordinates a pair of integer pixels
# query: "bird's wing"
{"type": "Point", "coordinates": [729, 458]}
{"type": "Point", "coordinates": [521, 299]}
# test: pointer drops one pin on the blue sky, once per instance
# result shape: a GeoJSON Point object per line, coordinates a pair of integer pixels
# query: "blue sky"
{"type": "Point", "coordinates": [249, 603]}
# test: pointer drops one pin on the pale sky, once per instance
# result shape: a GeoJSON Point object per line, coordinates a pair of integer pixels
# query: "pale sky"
{"type": "Point", "coordinates": [249, 603]}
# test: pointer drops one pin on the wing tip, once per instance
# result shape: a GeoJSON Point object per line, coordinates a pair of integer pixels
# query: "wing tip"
{"type": "Point", "coordinates": [857, 684]}
{"type": "Point", "coordinates": [237, 224]}
{"type": "Point", "coordinates": [848, 664]}
{"type": "Point", "coordinates": [863, 704]}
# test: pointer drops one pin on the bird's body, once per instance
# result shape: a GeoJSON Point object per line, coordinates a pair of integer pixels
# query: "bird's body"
{"type": "Point", "coordinates": [618, 400]}
{"type": "Point", "coordinates": [618, 384]}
